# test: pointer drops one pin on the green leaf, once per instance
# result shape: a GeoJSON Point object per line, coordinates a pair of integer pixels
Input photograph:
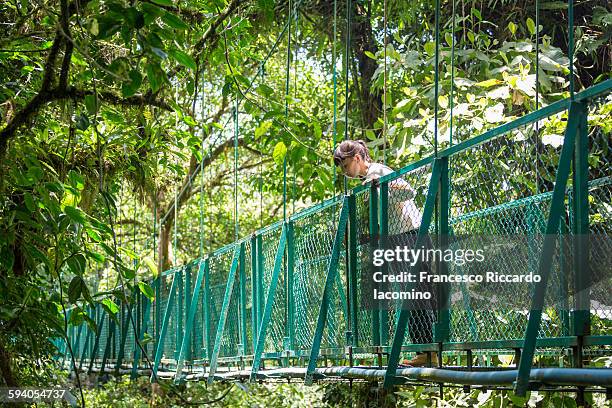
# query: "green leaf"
{"type": "Point", "coordinates": [90, 104]}
{"type": "Point", "coordinates": [489, 83]}
{"type": "Point", "coordinates": [54, 187]}
{"type": "Point", "coordinates": [76, 288]}
{"type": "Point", "coordinates": [531, 26]}
{"type": "Point", "coordinates": [77, 264]}
{"type": "Point", "coordinates": [512, 27]}
{"type": "Point", "coordinates": [174, 21]}
{"type": "Point", "coordinates": [110, 306]}
{"type": "Point", "coordinates": [317, 130]}
{"type": "Point", "coordinates": [29, 202]}
{"type": "Point", "coordinates": [76, 180]}
{"type": "Point", "coordinates": [75, 214]}
{"type": "Point", "coordinates": [130, 88]}
{"type": "Point", "coordinates": [163, 2]}
{"type": "Point", "coordinates": [279, 153]}
{"type": "Point", "coordinates": [262, 129]}
{"type": "Point", "coordinates": [430, 47]}
{"type": "Point", "coordinates": [146, 290]}
{"type": "Point", "coordinates": [151, 265]}
{"type": "Point", "coordinates": [183, 58]}
{"type": "Point", "coordinates": [155, 75]}
{"type": "Point", "coordinates": [370, 54]}
{"type": "Point", "coordinates": [449, 39]}
{"type": "Point", "coordinates": [264, 90]}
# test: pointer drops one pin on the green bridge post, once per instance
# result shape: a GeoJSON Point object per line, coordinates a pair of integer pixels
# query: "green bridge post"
{"type": "Point", "coordinates": [577, 109]}
{"type": "Point", "coordinates": [443, 205]}
{"type": "Point", "coordinates": [142, 330]}
{"type": "Point", "coordinates": [400, 329]}
{"type": "Point", "coordinates": [332, 270]}
{"type": "Point", "coordinates": [159, 350]}
{"type": "Point", "coordinates": [352, 272]}
{"type": "Point", "coordinates": [373, 233]}
{"type": "Point", "coordinates": [193, 305]}
{"type": "Point", "coordinates": [229, 287]}
{"type": "Point", "coordinates": [267, 312]}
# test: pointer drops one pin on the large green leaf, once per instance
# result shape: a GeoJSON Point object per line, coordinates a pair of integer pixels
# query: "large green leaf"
{"type": "Point", "coordinates": [183, 58]}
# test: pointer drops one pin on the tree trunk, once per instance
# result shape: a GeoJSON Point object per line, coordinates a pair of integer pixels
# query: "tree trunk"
{"type": "Point", "coordinates": [164, 247]}
{"type": "Point", "coordinates": [363, 40]}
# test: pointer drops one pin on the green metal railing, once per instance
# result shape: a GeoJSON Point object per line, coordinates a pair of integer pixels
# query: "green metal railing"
{"type": "Point", "coordinates": [288, 295]}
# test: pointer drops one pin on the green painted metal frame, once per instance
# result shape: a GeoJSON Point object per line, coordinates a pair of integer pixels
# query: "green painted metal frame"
{"type": "Point", "coordinates": [383, 224]}
{"type": "Point", "coordinates": [109, 340]}
{"type": "Point", "coordinates": [193, 306]}
{"type": "Point", "coordinates": [400, 329]}
{"type": "Point", "coordinates": [267, 312]}
{"type": "Point", "coordinates": [352, 272]}
{"type": "Point", "coordinates": [581, 317]}
{"type": "Point", "coordinates": [86, 344]}
{"type": "Point", "coordinates": [159, 350]}
{"type": "Point", "coordinates": [373, 231]}
{"type": "Point", "coordinates": [442, 331]}
{"type": "Point", "coordinates": [180, 311]}
{"type": "Point", "coordinates": [126, 323]}
{"type": "Point", "coordinates": [290, 309]}
{"type": "Point", "coordinates": [332, 271]}
{"type": "Point", "coordinates": [254, 291]}
{"type": "Point", "coordinates": [96, 346]}
{"type": "Point", "coordinates": [143, 329]}
{"type": "Point", "coordinates": [545, 263]}
{"type": "Point", "coordinates": [243, 300]}
{"type": "Point", "coordinates": [229, 287]}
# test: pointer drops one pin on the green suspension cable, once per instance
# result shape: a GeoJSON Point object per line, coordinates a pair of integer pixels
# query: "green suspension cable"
{"type": "Point", "coordinates": [335, 79]}
{"type": "Point", "coordinates": [537, 93]}
{"type": "Point", "coordinates": [297, 24]}
{"type": "Point", "coordinates": [385, 83]}
{"type": "Point", "coordinates": [452, 104]}
{"type": "Point", "coordinates": [346, 66]}
{"type": "Point", "coordinates": [263, 73]}
{"type": "Point", "coordinates": [236, 221]}
{"type": "Point", "coordinates": [437, 77]}
{"type": "Point", "coordinates": [287, 71]}
{"type": "Point", "coordinates": [571, 46]}
{"type": "Point", "coordinates": [346, 76]}
{"type": "Point", "coordinates": [201, 227]}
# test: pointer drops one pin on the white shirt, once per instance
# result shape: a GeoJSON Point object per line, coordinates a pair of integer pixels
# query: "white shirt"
{"type": "Point", "coordinates": [404, 215]}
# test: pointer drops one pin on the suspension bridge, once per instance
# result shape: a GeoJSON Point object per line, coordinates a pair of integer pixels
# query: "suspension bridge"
{"type": "Point", "coordinates": [284, 302]}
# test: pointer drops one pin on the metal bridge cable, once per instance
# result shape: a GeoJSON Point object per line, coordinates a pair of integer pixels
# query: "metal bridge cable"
{"type": "Point", "coordinates": [537, 93]}
{"type": "Point", "coordinates": [452, 89]}
{"type": "Point", "coordinates": [437, 77]}
{"type": "Point", "coordinates": [385, 83]}
{"type": "Point", "coordinates": [335, 80]}
{"type": "Point", "coordinates": [236, 222]}
{"type": "Point", "coordinates": [571, 46]}
{"type": "Point", "coordinates": [287, 71]}
{"type": "Point", "coordinates": [201, 228]}
{"type": "Point", "coordinates": [452, 104]}
{"type": "Point", "coordinates": [297, 21]}
{"type": "Point", "coordinates": [263, 73]}
{"type": "Point", "coordinates": [346, 76]}
{"type": "Point", "coordinates": [175, 229]}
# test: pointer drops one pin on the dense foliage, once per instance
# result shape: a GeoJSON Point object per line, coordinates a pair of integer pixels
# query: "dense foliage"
{"type": "Point", "coordinates": [110, 107]}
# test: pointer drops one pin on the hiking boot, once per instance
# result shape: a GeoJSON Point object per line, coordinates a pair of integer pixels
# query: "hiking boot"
{"type": "Point", "coordinates": [420, 360]}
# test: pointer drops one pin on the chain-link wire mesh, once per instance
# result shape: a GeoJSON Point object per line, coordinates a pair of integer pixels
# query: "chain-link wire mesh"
{"type": "Point", "coordinates": [313, 242]}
